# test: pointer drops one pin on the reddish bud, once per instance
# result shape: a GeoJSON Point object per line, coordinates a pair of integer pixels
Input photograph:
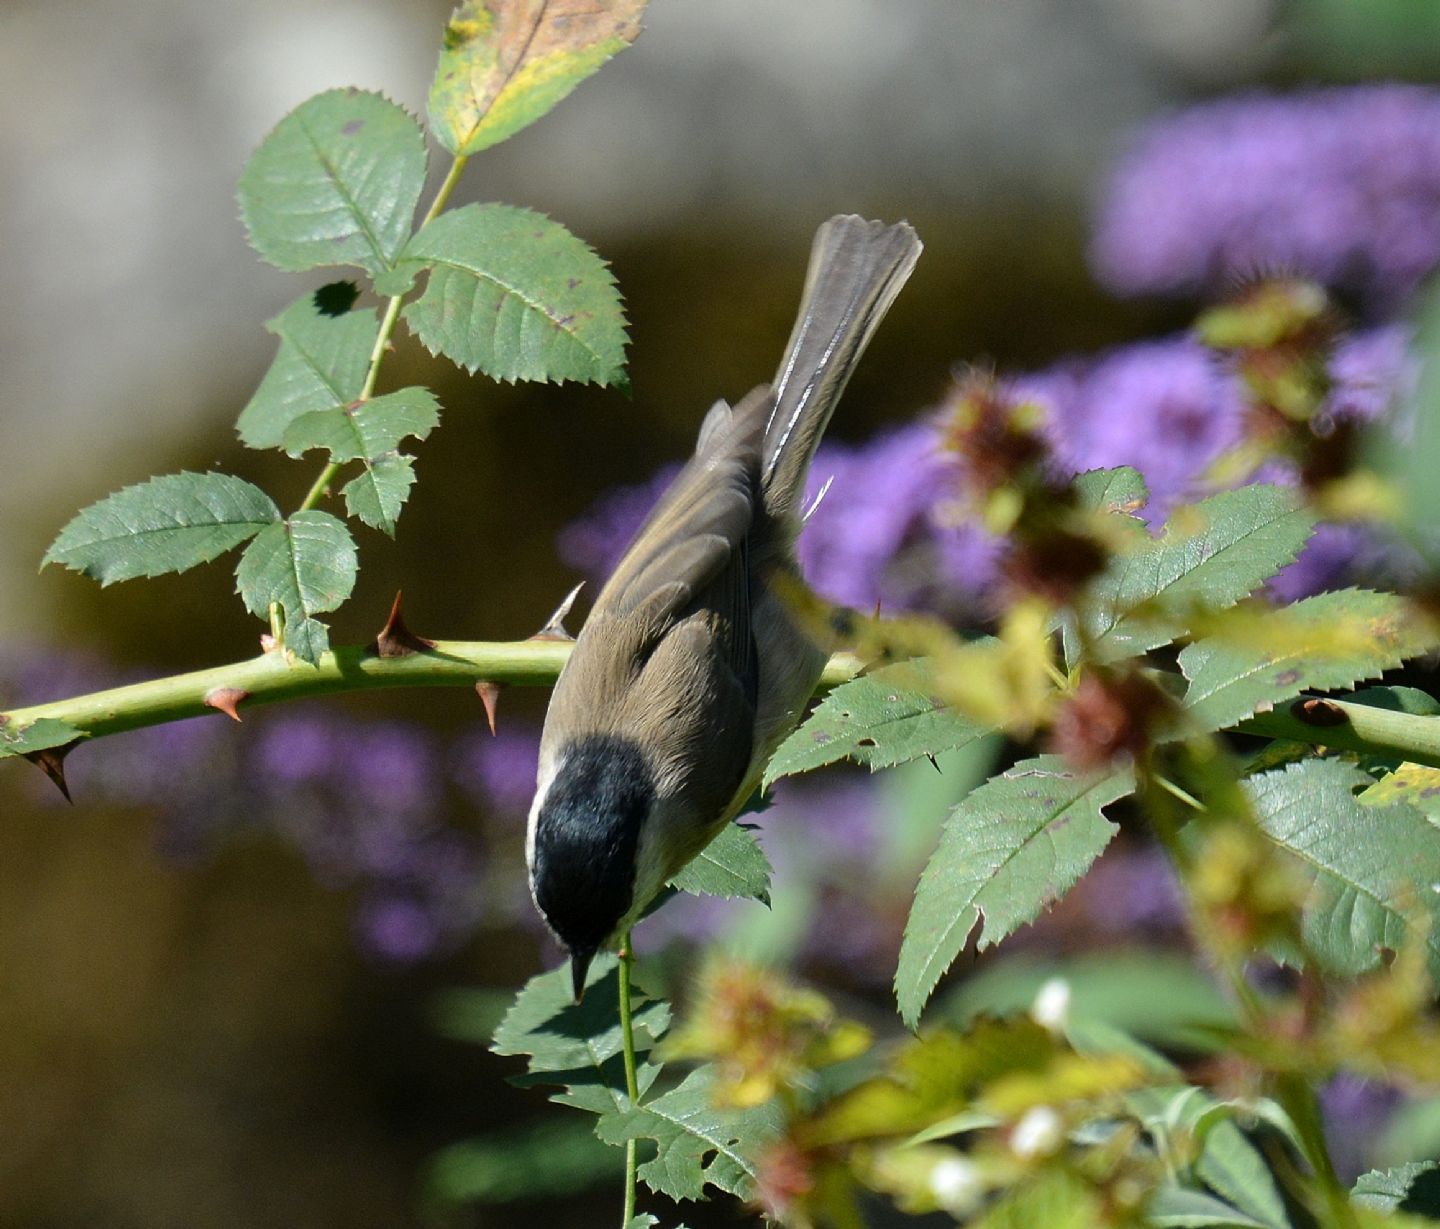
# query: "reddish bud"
{"type": "Point", "coordinates": [1053, 562]}
{"type": "Point", "coordinates": [783, 1179]}
{"type": "Point", "coordinates": [1107, 717]}
{"type": "Point", "coordinates": [993, 436]}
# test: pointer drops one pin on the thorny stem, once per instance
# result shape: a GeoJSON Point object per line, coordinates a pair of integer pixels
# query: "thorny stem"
{"type": "Point", "coordinates": [632, 1082]}
{"type": "Point", "coordinates": [270, 677]}
{"type": "Point", "coordinates": [536, 663]}
{"type": "Point", "coordinates": [382, 338]}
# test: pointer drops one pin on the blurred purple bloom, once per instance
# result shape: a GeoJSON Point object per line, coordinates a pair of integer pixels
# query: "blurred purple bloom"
{"type": "Point", "coordinates": [294, 749]}
{"type": "Point", "coordinates": [880, 533]}
{"type": "Point", "coordinates": [396, 929]}
{"type": "Point", "coordinates": [1372, 373]}
{"type": "Point", "coordinates": [1355, 1112]}
{"type": "Point", "coordinates": [392, 766]}
{"type": "Point", "coordinates": [1168, 408]}
{"type": "Point", "coordinates": [499, 770]}
{"type": "Point", "coordinates": [1133, 889]}
{"type": "Point", "coordinates": [1340, 185]}
{"type": "Point", "coordinates": [593, 544]}
{"type": "Point", "coordinates": [1332, 558]}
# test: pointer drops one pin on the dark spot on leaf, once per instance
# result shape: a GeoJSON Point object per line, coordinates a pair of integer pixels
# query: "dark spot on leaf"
{"type": "Point", "coordinates": [846, 714]}
{"type": "Point", "coordinates": [539, 234]}
{"type": "Point", "coordinates": [1286, 677]}
{"type": "Point", "coordinates": [336, 298]}
{"type": "Point", "coordinates": [572, 282]}
{"type": "Point", "coordinates": [352, 127]}
{"type": "Point", "coordinates": [1430, 791]}
{"type": "Point", "coordinates": [821, 738]}
{"type": "Point", "coordinates": [866, 742]}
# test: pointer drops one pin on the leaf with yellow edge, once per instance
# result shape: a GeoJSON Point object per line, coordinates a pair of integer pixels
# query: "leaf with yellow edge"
{"type": "Point", "coordinates": [505, 63]}
{"type": "Point", "coordinates": [1415, 784]}
{"type": "Point", "coordinates": [1333, 640]}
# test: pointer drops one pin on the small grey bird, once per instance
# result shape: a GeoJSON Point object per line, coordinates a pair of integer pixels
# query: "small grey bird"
{"type": "Point", "coordinates": [690, 670]}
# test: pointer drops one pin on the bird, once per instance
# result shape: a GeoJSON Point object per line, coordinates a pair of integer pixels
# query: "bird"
{"type": "Point", "coordinates": [692, 666]}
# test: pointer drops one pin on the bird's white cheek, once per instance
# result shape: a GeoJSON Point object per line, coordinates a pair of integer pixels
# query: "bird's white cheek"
{"type": "Point", "coordinates": [549, 768]}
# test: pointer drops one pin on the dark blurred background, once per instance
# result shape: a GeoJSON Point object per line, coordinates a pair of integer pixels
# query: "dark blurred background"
{"type": "Point", "coordinates": [200, 1040]}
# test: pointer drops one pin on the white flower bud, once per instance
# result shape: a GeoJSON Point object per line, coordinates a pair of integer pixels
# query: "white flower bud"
{"type": "Point", "coordinates": [956, 1184]}
{"type": "Point", "coordinates": [1051, 1008]}
{"type": "Point", "coordinates": [1039, 1133]}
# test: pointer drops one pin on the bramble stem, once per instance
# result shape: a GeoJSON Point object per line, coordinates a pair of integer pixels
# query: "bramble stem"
{"type": "Point", "coordinates": [382, 339]}
{"type": "Point", "coordinates": [1359, 727]}
{"type": "Point", "coordinates": [270, 677]}
{"type": "Point", "coordinates": [632, 1083]}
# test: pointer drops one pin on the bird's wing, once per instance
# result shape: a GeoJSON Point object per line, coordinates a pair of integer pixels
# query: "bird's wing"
{"type": "Point", "coordinates": [691, 556]}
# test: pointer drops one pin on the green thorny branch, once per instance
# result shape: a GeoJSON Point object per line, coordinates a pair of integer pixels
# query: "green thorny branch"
{"type": "Point", "coordinates": [398, 658]}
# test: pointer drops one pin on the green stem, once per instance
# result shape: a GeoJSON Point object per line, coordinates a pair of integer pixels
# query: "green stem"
{"type": "Point", "coordinates": [632, 1082]}
{"type": "Point", "coordinates": [1357, 727]}
{"type": "Point", "coordinates": [270, 677]}
{"type": "Point", "coordinates": [382, 339]}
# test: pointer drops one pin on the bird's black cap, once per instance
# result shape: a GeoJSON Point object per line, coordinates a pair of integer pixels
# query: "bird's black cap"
{"type": "Point", "coordinates": [586, 837]}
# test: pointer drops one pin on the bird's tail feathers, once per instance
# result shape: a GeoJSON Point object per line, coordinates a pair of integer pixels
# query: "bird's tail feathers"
{"type": "Point", "coordinates": [856, 270]}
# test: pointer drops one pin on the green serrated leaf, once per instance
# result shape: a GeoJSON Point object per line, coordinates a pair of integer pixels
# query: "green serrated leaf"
{"type": "Point", "coordinates": [1120, 490]}
{"type": "Point", "coordinates": [881, 719]}
{"type": "Point", "coordinates": [578, 1045]}
{"type": "Point", "coordinates": [335, 183]}
{"type": "Point", "coordinates": [42, 735]}
{"type": "Point", "coordinates": [1411, 1188]}
{"type": "Point", "coordinates": [1370, 867]}
{"type": "Point", "coordinates": [1177, 1207]}
{"type": "Point", "coordinates": [504, 65]}
{"type": "Point", "coordinates": [307, 564]}
{"type": "Point", "coordinates": [1229, 1164]}
{"type": "Point", "coordinates": [732, 865]}
{"type": "Point", "coordinates": [167, 524]}
{"type": "Point", "coordinates": [517, 296]}
{"type": "Point", "coordinates": [1010, 850]}
{"type": "Point", "coordinates": [1329, 641]}
{"type": "Point", "coordinates": [377, 495]}
{"type": "Point", "coordinates": [1211, 554]}
{"type": "Point", "coordinates": [320, 365]}
{"type": "Point", "coordinates": [697, 1144]}
{"type": "Point", "coordinates": [365, 430]}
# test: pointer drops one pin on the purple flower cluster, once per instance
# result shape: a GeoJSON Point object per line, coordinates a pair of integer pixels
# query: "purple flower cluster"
{"type": "Point", "coordinates": [1339, 185]}
{"type": "Point", "coordinates": [880, 534]}
{"type": "Point", "coordinates": [1168, 408]}
{"type": "Point", "coordinates": [887, 531]}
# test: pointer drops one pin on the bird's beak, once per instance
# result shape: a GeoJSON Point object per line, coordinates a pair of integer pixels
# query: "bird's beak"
{"type": "Point", "coordinates": [579, 966]}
